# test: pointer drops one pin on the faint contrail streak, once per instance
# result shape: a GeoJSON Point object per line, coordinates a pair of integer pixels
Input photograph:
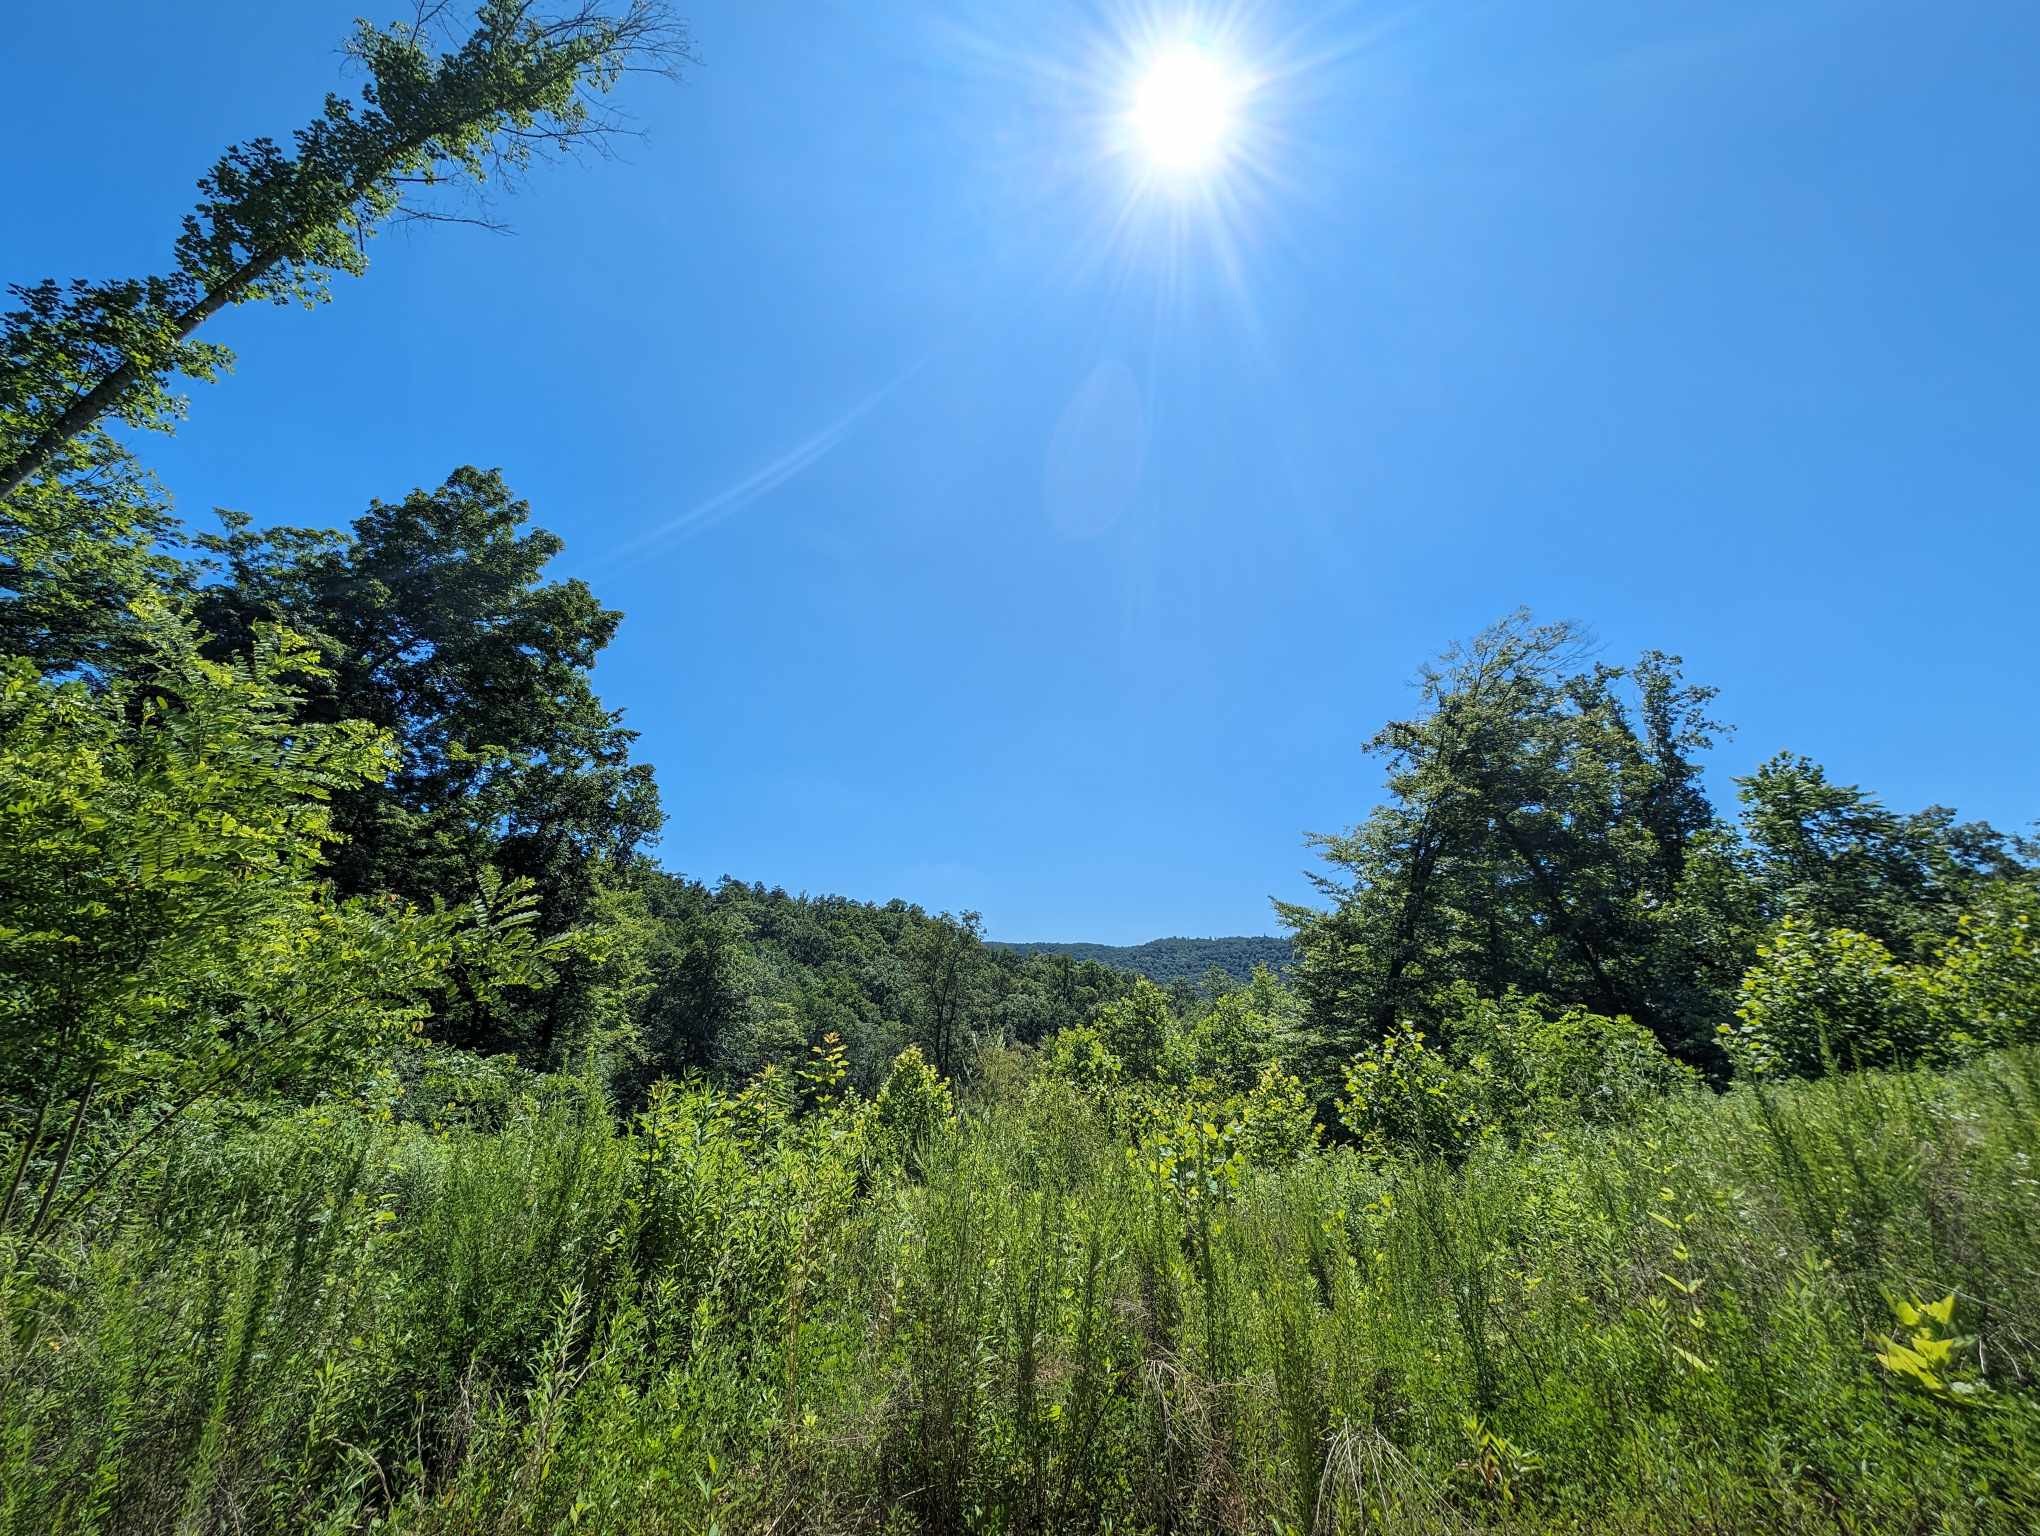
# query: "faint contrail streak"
{"type": "Point", "coordinates": [732, 499]}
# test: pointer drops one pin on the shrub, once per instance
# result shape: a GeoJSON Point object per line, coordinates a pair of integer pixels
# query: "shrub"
{"type": "Point", "coordinates": [1984, 990]}
{"type": "Point", "coordinates": [1277, 1123]}
{"type": "Point", "coordinates": [913, 1108]}
{"type": "Point", "coordinates": [1533, 1068]}
{"type": "Point", "coordinates": [1821, 997]}
{"type": "Point", "coordinates": [1402, 1094]}
{"type": "Point", "coordinates": [443, 1087]}
{"type": "Point", "coordinates": [1509, 1067]}
{"type": "Point", "coordinates": [1079, 1056]}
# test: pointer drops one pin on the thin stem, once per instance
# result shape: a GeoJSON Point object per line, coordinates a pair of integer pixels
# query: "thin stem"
{"type": "Point", "coordinates": [35, 1130]}
{"type": "Point", "coordinates": [36, 1227]}
{"type": "Point", "coordinates": [28, 1148]}
{"type": "Point", "coordinates": [238, 1064]}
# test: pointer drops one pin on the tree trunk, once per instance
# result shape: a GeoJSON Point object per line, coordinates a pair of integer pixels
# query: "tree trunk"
{"type": "Point", "coordinates": [98, 400]}
{"type": "Point", "coordinates": [42, 1110]}
{"type": "Point", "coordinates": [101, 398]}
{"type": "Point", "coordinates": [1409, 919]}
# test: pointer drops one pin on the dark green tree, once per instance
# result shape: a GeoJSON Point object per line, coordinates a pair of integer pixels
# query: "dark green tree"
{"type": "Point", "coordinates": [1544, 816]}
{"type": "Point", "coordinates": [702, 966]}
{"type": "Point", "coordinates": [948, 961]}
{"type": "Point", "coordinates": [1835, 856]}
{"type": "Point", "coordinates": [437, 624]}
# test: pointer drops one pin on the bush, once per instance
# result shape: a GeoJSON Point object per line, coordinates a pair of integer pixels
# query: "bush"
{"type": "Point", "coordinates": [1509, 1067]}
{"type": "Point", "coordinates": [443, 1087]}
{"type": "Point", "coordinates": [1984, 990]}
{"type": "Point", "coordinates": [1277, 1122]}
{"type": "Point", "coordinates": [913, 1108]}
{"type": "Point", "coordinates": [1403, 1095]}
{"type": "Point", "coordinates": [1534, 1068]}
{"type": "Point", "coordinates": [1827, 997]}
{"type": "Point", "coordinates": [1079, 1056]}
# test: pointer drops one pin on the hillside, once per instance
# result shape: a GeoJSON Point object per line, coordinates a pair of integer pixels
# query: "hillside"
{"type": "Point", "coordinates": [1167, 960]}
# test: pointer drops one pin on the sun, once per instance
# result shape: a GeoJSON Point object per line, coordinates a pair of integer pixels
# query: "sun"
{"type": "Point", "coordinates": [1183, 110]}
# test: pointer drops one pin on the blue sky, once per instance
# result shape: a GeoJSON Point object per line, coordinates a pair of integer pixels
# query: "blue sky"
{"type": "Point", "coordinates": [998, 530]}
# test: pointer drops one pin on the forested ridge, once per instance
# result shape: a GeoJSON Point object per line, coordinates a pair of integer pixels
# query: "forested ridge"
{"type": "Point", "coordinates": [393, 1141]}
{"type": "Point", "coordinates": [1172, 960]}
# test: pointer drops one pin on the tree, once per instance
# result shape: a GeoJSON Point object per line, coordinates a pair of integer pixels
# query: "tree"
{"type": "Point", "coordinates": [163, 933]}
{"type": "Point", "coordinates": [1409, 876]}
{"type": "Point", "coordinates": [78, 551]}
{"type": "Point", "coordinates": [438, 626]}
{"type": "Point", "coordinates": [274, 227]}
{"type": "Point", "coordinates": [701, 968]}
{"type": "Point", "coordinates": [1233, 1041]}
{"type": "Point", "coordinates": [947, 963]}
{"type": "Point", "coordinates": [1545, 814]}
{"type": "Point", "coordinates": [1137, 1028]}
{"type": "Point", "coordinates": [1834, 856]}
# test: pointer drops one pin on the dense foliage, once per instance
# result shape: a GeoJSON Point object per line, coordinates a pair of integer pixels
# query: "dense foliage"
{"type": "Point", "coordinates": [391, 1144]}
{"type": "Point", "coordinates": [742, 976]}
{"type": "Point", "coordinates": [1779, 1311]}
{"type": "Point", "coordinates": [1547, 831]}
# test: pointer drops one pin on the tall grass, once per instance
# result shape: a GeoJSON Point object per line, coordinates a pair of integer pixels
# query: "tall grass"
{"type": "Point", "coordinates": [701, 1321]}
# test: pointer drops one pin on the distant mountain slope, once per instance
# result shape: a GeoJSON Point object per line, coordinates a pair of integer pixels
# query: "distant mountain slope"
{"type": "Point", "coordinates": [1167, 960]}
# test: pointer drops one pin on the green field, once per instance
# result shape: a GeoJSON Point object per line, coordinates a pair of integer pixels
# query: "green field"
{"type": "Point", "coordinates": [532, 1315]}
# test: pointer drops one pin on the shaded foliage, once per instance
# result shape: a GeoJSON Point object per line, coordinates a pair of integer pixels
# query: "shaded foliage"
{"type": "Point", "coordinates": [436, 624]}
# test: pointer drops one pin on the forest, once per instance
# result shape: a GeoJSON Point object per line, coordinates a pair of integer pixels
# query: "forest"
{"type": "Point", "coordinates": [1167, 961]}
{"type": "Point", "coordinates": [393, 1143]}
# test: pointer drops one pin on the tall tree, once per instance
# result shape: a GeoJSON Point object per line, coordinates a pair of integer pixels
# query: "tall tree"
{"type": "Point", "coordinates": [1543, 811]}
{"type": "Point", "coordinates": [947, 962]}
{"type": "Point", "coordinates": [437, 625]}
{"type": "Point", "coordinates": [438, 111]}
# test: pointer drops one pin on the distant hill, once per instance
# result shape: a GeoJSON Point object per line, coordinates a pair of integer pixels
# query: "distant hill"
{"type": "Point", "coordinates": [1167, 960]}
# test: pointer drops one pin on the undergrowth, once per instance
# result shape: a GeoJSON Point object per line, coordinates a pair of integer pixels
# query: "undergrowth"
{"type": "Point", "coordinates": [1812, 1307]}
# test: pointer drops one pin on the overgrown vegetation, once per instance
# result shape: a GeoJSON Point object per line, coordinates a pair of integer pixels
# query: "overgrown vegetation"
{"type": "Point", "coordinates": [1065, 1311]}
{"type": "Point", "coordinates": [390, 1145]}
